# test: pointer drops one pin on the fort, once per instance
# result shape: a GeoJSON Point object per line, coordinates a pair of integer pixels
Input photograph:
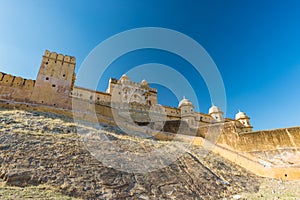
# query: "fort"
{"type": "Point", "coordinates": [54, 86]}
{"type": "Point", "coordinates": [273, 153]}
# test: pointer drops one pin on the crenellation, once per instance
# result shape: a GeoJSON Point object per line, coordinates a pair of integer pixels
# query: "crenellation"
{"type": "Point", "coordinates": [7, 79]}
{"type": "Point", "coordinates": [53, 55]}
{"type": "Point", "coordinates": [73, 60]}
{"type": "Point", "coordinates": [18, 82]}
{"type": "Point", "coordinates": [60, 57]}
{"type": "Point", "coordinates": [67, 59]}
{"type": "Point", "coordinates": [47, 53]}
{"type": "Point", "coordinates": [29, 84]}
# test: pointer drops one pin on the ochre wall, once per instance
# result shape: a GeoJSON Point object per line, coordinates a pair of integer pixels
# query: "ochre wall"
{"type": "Point", "coordinates": [261, 140]}
{"type": "Point", "coordinates": [15, 88]}
{"type": "Point", "coordinates": [55, 80]}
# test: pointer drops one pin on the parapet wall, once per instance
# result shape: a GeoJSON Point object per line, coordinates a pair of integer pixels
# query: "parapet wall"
{"type": "Point", "coordinates": [261, 140]}
{"type": "Point", "coordinates": [15, 88]}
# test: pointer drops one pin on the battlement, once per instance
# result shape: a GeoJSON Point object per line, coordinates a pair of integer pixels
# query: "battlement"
{"type": "Point", "coordinates": [16, 82]}
{"type": "Point", "coordinates": [59, 57]}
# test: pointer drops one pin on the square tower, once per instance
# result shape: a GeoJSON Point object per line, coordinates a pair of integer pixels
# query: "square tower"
{"type": "Point", "coordinates": [55, 80]}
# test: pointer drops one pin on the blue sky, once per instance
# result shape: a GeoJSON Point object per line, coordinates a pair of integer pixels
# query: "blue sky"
{"type": "Point", "coordinates": [255, 45]}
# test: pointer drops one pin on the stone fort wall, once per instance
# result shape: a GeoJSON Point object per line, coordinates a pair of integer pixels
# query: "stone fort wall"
{"type": "Point", "coordinates": [14, 88]}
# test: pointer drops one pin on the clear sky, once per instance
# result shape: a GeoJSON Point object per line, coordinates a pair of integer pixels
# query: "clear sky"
{"type": "Point", "coordinates": [255, 45]}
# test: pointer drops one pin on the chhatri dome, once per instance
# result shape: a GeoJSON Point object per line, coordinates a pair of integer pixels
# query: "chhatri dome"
{"type": "Point", "coordinates": [144, 83]}
{"type": "Point", "coordinates": [214, 109]}
{"type": "Point", "coordinates": [185, 102]}
{"type": "Point", "coordinates": [124, 78]}
{"type": "Point", "coordinates": [241, 115]}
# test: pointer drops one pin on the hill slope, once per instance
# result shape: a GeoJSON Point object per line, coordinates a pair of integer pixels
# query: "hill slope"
{"type": "Point", "coordinates": [44, 149]}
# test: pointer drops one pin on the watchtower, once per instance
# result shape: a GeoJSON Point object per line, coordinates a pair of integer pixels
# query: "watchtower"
{"type": "Point", "coordinates": [55, 80]}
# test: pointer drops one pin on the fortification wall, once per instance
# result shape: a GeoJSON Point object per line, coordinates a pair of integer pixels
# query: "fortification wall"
{"type": "Point", "coordinates": [14, 88]}
{"type": "Point", "coordinates": [172, 113]}
{"type": "Point", "coordinates": [90, 95]}
{"type": "Point", "coordinates": [261, 140]}
{"type": "Point", "coordinates": [240, 158]}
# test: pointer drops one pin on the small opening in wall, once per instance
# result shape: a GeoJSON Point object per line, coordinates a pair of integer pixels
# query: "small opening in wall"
{"type": "Point", "coordinates": [285, 175]}
{"type": "Point", "coordinates": [47, 78]}
{"type": "Point", "coordinates": [54, 104]}
{"type": "Point", "coordinates": [53, 85]}
{"type": "Point", "coordinates": [46, 63]}
{"type": "Point", "coordinates": [42, 101]}
{"type": "Point", "coordinates": [64, 75]}
{"type": "Point", "coordinates": [98, 98]}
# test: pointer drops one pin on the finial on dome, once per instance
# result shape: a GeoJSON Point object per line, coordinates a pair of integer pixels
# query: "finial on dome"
{"type": "Point", "coordinates": [144, 82]}
{"type": "Point", "coordinates": [124, 77]}
{"type": "Point", "coordinates": [241, 115]}
{"type": "Point", "coordinates": [185, 102]}
{"type": "Point", "coordinates": [214, 109]}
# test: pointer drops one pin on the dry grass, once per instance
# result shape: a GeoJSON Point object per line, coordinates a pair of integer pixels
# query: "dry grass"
{"type": "Point", "coordinates": [38, 192]}
{"type": "Point", "coordinates": [276, 189]}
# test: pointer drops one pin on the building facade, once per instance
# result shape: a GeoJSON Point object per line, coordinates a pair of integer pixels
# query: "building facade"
{"type": "Point", "coordinates": [54, 86]}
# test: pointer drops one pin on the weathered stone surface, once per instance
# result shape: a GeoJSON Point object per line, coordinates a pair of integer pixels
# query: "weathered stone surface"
{"type": "Point", "coordinates": [20, 177]}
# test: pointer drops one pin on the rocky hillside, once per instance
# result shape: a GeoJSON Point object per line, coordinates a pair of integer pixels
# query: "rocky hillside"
{"type": "Point", "coordinates": [45, 150]}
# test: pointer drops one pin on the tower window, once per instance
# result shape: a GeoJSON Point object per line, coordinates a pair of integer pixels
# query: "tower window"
{"type": "Point", "coordinates": [64, 75]}
{"type": "Point", "coordinates": [47, 78]}
{"type": "Point", "coordinates": [53, 85]}
{"type": "Point", "coordinates": [46, 63]}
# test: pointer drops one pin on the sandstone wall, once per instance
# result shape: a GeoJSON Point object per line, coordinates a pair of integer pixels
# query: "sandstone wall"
{"type": "Point", "coordinates": [172, 113]}
{"type": "Point", "coordinates": [55, 80]}
{"type": "Point", "coordinates": [261, 140]}
{"type": "Point", "coordinates": [15, 88]}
